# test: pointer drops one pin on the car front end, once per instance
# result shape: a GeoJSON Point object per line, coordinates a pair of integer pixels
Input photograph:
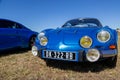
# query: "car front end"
{"type": "Point", "coordinates": [75, 47]}
{"type": "Point", "coordinates": [77, 44]}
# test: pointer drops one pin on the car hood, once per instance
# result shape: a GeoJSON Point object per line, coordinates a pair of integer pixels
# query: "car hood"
{"type": "Point", "coordinates": [70, 35]}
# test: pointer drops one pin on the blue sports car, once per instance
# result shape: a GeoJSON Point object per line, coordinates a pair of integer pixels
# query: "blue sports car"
{"type": "Point", "coordinates": [13, 34]}
{"type": "Point", "coordinates": [78, 40]}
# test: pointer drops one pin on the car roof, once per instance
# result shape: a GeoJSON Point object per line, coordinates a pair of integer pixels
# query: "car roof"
{"type": "Point", "coordinates": [1, 19]}
{"type": "Point", "coordinates": [87, 18]}
{"type": "Point", "coordinates": [93, 19]}
{"type": "Point", "coordinates": [7, 20]}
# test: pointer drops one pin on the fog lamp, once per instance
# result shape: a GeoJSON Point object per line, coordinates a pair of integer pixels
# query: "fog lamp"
{"type": "Point", "coordinates": [34, 51]}
{"type": "Point", "coordinates": [92, 55]}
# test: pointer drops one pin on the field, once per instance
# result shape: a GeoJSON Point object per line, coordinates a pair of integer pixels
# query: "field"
{"type": "Point", "coordinates": [22, 65]}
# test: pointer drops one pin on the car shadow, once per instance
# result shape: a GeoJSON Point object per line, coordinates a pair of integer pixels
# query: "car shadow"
{"type": "Point", "coordinates": [12, 51]}
{"type": "Point", "coordinates": [79, 67]}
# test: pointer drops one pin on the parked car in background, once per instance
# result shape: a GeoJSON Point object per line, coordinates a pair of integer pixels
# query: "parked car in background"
{"type": "Point", "coordinates": [78, 40]}
{"type": "Point", "coordinates": [13, 34]}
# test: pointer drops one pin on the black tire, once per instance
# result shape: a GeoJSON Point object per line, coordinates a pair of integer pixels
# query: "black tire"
{"type": "Point", "coordinates": [111, 62]}
{"type": "Point", "coordinates": [31, 41]}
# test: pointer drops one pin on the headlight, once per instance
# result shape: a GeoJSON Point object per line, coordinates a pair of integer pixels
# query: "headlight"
{"type": "Point", "coordinates": [103, 36]}
{"type": "Point", "coordinates": [86, 41]}
{"type": "Point", "coordinates": [40, 35]}
{"type": "Point", "coordinates": [43, 39]}
{"type": "Point", "coordinates": [92, 55]}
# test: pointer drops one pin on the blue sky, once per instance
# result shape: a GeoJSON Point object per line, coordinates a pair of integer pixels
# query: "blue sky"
{"type": "Point", "coordinates": [42, 14]}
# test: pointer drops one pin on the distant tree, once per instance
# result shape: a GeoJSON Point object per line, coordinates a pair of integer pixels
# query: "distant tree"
{"type": "Point", "coordinates": [118, 29]}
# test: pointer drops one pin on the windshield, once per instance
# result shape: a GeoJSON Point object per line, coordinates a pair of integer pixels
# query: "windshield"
{"type": "Point", "coordinates": [83, 23]}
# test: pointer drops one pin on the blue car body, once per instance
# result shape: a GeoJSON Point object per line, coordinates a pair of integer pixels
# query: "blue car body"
{"type": "Point", "coordinates": [66, 40]}
{"type": "Point", "coordinates": [13, 34]}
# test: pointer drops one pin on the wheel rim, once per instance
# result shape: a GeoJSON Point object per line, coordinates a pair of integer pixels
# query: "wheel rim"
{"type": "Point", "coordinates": [32, 41]}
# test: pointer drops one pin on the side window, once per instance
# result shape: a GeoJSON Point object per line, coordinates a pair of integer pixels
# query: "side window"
{"type": "Point", "coordinates": [18, 26]}
{"type": "Point", "coordinates": [14, 26]}
{"type": "Point", "coordinates": [6, 24]}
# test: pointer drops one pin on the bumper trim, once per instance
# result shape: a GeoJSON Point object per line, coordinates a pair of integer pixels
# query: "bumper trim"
{"type": "Point", "coordinates": [81, 55]}
{"type": "Point", "coordinates": [40, 52]}
{"type": "Point", "coordinates": [109, 55]}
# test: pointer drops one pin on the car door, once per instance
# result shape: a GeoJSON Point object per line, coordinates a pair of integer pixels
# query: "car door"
{"type": "Point", "coordinates": [23, 34]}
{"type": "Point", "coordinates": [8, 35]}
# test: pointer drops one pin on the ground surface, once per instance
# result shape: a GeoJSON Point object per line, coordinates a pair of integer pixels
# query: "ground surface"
{"type": "Point", "coordinates": [22, 65]}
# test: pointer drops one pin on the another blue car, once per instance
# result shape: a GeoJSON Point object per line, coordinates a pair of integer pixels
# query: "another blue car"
{"type": "Point", "coordinates": [78, 40]}
{"type": "Point", "coordinates": [13, 35]}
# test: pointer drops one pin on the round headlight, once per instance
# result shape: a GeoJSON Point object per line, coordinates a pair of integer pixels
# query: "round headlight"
{"type": "Point", "coordinates": [103, 36]}
{"type": "Point", "coordinates": [43, 40]}
{"type": "Point", "coordinates": [92, 55]}
{"type": "Point", "coordinates": [86, 41]}
{"type": "Point", "coordinates": [40, 35]}
{"type": "Point", "coordinates": [34, 51]}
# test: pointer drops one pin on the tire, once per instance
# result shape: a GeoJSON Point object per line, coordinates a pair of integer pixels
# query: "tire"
{"type": "Point", "coordinates": [31, 41]}
{"type": "Point", "coordinates": [111, 62]}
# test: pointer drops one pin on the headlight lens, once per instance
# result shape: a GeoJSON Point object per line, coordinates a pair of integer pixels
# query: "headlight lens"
{"type": "Point", "coordinates": [40, 35]}
{"type": "Point", "coordinates": [43, 39]}
{"type": "Point", "coordinates": [103, 36]}
{"type": "Point", "coordinates": [86, 41]}
{"type": "Point", "coordinates": [92, 55]}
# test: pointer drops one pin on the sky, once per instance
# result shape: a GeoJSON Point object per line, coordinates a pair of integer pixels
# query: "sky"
{"type": "Point", "coordinates": [38, 15]}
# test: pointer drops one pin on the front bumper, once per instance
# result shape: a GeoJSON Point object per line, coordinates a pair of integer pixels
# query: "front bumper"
{"type": "Point", "coordinates": [81, 54]}
{"type": "Point", "coordinates": [109, 53]}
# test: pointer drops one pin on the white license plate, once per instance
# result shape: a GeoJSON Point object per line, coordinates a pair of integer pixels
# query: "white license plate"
{"type": "Point", "coordinates": [59, 55]}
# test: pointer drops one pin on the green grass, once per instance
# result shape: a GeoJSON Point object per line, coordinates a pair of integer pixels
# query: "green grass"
{"type": "Point", "coordinates": [22, 65]}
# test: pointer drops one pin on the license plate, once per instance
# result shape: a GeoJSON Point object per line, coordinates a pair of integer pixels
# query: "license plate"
{"type": "Point", "coordinates": [59, 55]}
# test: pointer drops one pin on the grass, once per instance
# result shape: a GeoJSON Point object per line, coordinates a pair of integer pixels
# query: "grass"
{"type": "Point", "coordinates": [22, 65]}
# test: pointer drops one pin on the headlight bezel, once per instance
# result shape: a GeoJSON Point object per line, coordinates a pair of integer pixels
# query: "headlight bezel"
{"type": "Point", "coordinates": [43, 39]}
{"type": "Point", "coordinates": [101, 33]}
